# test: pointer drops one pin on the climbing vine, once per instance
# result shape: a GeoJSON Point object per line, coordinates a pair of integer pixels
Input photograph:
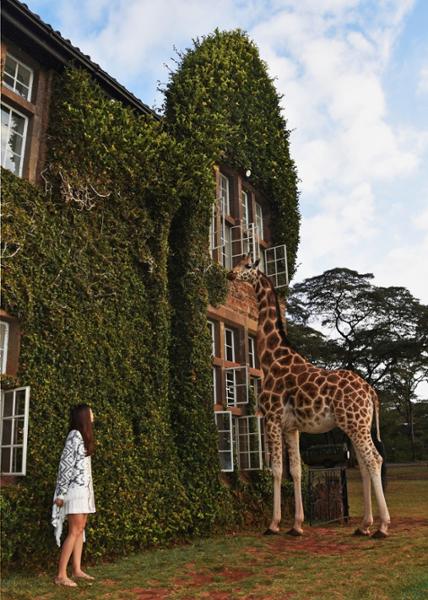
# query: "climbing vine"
{"type": "Point", "coordinates": [109, 275]}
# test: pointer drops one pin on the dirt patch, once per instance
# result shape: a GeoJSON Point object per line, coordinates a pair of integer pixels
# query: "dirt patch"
{"type": "Point", "coordinates": [318, 542]}
{"type": "Point", "coordinates": [154, 594]}
{"type": "Point", "coordinates": [215, 595]}
{"type": "Point", "coordinates": [234, 574]}
{"type": "Point", "coordinates": [193, 580]}
{"type": "Point", "coordinates": [108, 582]}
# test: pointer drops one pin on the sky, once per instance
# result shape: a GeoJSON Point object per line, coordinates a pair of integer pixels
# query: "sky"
{"type": "Point", "coordinates": [354, 75]}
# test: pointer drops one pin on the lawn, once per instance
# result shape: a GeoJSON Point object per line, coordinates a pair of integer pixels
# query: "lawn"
{"type": "Point", "coordinates": [327, 563]}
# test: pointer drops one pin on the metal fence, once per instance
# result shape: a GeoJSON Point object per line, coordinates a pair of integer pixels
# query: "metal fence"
{"type": "Point", "coordinates": [327, 495]}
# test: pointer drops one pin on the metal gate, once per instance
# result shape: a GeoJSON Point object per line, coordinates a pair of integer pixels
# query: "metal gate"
{"type": "Point", "coordinates": [327, 495]}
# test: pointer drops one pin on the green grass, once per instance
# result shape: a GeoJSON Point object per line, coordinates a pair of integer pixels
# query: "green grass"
{"type": "Point", "coordinates": [327, 563]}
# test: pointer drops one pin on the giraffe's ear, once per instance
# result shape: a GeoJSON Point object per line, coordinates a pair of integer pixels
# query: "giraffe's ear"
{"type": "Point", "coordinates": [256, 264]}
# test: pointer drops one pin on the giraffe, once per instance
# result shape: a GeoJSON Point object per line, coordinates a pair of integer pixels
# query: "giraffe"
{"type": "Point", "coordinates": [297, 396]}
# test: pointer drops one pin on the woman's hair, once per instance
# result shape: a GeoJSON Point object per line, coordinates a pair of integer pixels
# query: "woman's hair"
{"type": "Point", "coordinates": [80, 419]}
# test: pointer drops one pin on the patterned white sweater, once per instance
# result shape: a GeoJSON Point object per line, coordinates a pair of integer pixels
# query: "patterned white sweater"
{"type": "Point", "coordinates": [74, 478]}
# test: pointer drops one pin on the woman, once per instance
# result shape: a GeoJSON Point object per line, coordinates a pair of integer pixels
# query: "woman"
{"type": "Point", "coordinates": [74, 493]}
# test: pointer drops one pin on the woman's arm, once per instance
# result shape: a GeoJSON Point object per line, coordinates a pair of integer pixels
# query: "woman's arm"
{"type": "Point", "coordinates": [66, 465]}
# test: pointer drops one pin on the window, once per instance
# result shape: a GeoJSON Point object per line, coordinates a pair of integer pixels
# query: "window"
{"type": "Point", "coordinates": [13, 135]}
{"type": "Point", "coordinates": [250, 453]}
{"type": "Point", "coordinates": [224, 194]}
{"type": "Point", "coordinates": [4, 341]}
{"type": "Point", "coordinates": [225, 442]}
{"type": "Point", "coordinates": [229, 344]}
{"type": "Point", "coordinates": [211, 327]}
{"type": "Point", "coordinates": [214, 384]}
{"type": "Point", "coordinates": [18, 77]}
{"type": "Point", "coordinates": [259, 222]}
{"type": "Point", "coordinates": [227, 248]}
{"type": "Point", "coordinates": [236, 380]}
{"type": "Point", "coordinates": [245, 209]}
{"type": "Point", "coordinates": [276, 265]}
{"type": "Point", "coordinates": [14, 430]}
{"type": "Point", "coordinates": [251, 352]}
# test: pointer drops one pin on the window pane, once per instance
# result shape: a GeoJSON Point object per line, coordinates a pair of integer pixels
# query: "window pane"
{"type": "Point", "coordinates": [224, 440]}
{"type": "Point", "coordinates": [18, 123]}
{"type": "Point", "coordinates": [24, 75]}
{"type": "Point", "coordinates": [222, 421]}
{"type": "Point", "coordinates": [7, 432]}
{"type": "Point", "coordinates": [11, 161]}
{"type": "Point", "coordinates": [18, 435]}
{"type": "Point", "coordinates": [22, 90]}
{"type": "Point", "coordinates": [17, 460]}
{"type": "Point", "coordinates": [225, 461]}
{"type": "Point", "coordinates": [5, 460]}
{"type": "Point", "coordinates": [10, 67]}
{"type": "Point", "coordinates": [8, 79]}
{"type": "Point", "coordinates": [20, 403]}
{"type": "Point", "coordinates": [8, 404]}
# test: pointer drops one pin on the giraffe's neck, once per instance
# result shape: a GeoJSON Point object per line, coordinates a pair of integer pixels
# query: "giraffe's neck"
{"type": "Point", "coordinates": [271, 344]}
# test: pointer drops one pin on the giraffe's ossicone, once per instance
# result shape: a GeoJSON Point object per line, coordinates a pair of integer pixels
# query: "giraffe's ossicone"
{"type": "Point", "coordinates": [298, 396]}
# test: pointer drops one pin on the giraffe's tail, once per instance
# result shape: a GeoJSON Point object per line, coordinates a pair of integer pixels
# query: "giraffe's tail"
{"type": "Point", "coordinates": [377, 441]}
{"type": "Point", "coordinates": [376, 406]}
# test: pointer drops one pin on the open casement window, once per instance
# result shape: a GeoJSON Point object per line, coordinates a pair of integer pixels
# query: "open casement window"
{"type": "Point", "coordinates": [211, 329]}
{"type": "Point", "coordinates": [245, 207]}
{"type": "Point", "coordinates": [250, 451]}
{"type": "Point", "coordinates": [224, 194]}
{"type": "Point", "coordinates": [229, 344]}
{"type": "Point", "coordinates": [14, 430]}
{"type": "Point", "coordinates": [259, 222]}
{"type": "Point", "coordinates": [226, 249]}
{"type": "Point", "coordinates": [4, 343]}
{"type": "Point", "coordinates": [244, 242]}
{"type": "Point", "coordinates": [216, 400]}
{"type": "Point", "coordinates": [236, 380]}
{"type": "Point", "coordinates": [223, 421]}
{"type": "Point", "coordinates": [251, 352]}
{"type": "Point", "coordinates": [276, 265]}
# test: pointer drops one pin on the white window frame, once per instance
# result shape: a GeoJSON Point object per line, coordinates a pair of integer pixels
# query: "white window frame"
{"type": "Point", "coordinates": [251, 351]}
{"type": "Point", "coordinates": [15, 78]}
{"type": "Point", "coordinates": [211, 327]}
{"type": "Point", "coordinates": [214, 384]}
{"type": "Point", "coordinates": [226, 345]}
{"type": "Point", "coordinates": [259, 221]}
{"type": "Point", "coordinates": [12, 418]}
{"type": "Point", "coordinates": [232, 388]}
{"type": "Point", "coordinates": [226, 252]}
{"type": "Point", "coordinates": [244, 242]}
{"type": "Point", "coordinates": [5, 349]}
{"type": "Point", "coordinates": [257, 464]}
{"type": "Point", "coordinates": [225, 194]}
{"type": "Point", "coordinates": [272, 268]}
{"type": "Point", "coordinates": [245, 208]}
{"type": "Point", "coordinates": [230, 431]}
{"type": "Point", "coordinates": [24, 137]}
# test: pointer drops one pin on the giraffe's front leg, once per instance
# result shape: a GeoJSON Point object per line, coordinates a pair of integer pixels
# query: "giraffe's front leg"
{"type": "Point", "coordinates": [273, 432]}
{"type": "Point", "coordinates": [292, 440]}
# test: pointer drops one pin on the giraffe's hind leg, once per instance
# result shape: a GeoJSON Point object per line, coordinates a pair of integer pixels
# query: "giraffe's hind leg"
{"type": "Point", "coordinates": [373, 463]}
{"type": "Point", "coordinates": [274, 436]}
{"type": "Point", "coordinates": [367, 522]}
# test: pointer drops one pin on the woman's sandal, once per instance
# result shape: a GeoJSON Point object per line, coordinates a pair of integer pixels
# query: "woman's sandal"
{"type": "Point", "coordinates": [65, 582]}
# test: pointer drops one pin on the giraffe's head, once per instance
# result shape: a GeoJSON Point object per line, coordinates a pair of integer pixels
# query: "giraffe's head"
{"type": "Point", "coordinates": [245, 270]}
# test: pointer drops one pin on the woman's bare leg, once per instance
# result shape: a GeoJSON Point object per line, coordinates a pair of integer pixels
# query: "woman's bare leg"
{"type": "Point", "coordinates": [76, 525]}
{"type": "Point", "coordinates": [77, 555]}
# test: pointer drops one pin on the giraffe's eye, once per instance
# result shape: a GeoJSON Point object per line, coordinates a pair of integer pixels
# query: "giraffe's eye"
{"type": "Point", "coordinates": [248, 266]}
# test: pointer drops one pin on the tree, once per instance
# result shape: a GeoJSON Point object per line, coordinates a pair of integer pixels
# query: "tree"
{"type": "Point", "coordinates": [380, 332]}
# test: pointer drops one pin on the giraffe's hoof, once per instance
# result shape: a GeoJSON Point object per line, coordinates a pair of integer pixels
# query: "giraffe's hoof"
{"type": "Point", "coordinates": [294, 532]}
{"type": "Point", "coordinates": [270, 531]}
{"type": "Point", "coordinates": [360, 532]}
{"type": "Point", "coordinates": [379, 535]}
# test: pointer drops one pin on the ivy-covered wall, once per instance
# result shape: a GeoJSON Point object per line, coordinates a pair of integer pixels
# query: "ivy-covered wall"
{"type": "Point", "coordinates": [110, 277]}
{"type": "Point", "coordinates": [221, 105]}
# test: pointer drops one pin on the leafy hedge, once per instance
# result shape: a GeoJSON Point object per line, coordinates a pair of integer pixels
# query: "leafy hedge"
{"type": "Point", "coordinates": [110, 278]}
